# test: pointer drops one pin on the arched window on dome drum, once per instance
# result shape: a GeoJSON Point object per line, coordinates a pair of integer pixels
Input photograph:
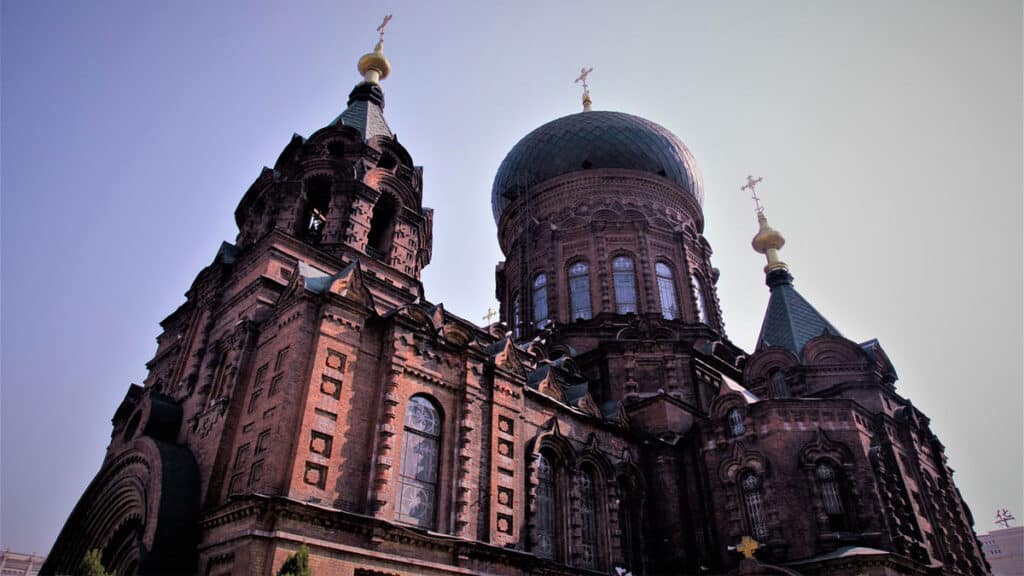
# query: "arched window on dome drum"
{"type": "Point", "coordinates": [831, 495]}
{"type": "Point", "coordinates": [517, 316]}
{"type": "Point", "coordinates": [588, 519]}
{"type": "Point", "coordinates": [777, 386]}
{"type": "Point", "coordinates": [753, 505]}
{"type": "Point", "coordinates": [736, 426]}
{"type": "Point", "coordinates": [546, 529]}
{"type": "Point", "coordinates": [540, 300]}
{"type": "Point", "coordinates": [666, 291]}
{"type": "Point", "coordinates": [624, 280]}
{"type": "Point", "coordinates": [579, 292]}
{"type": "Point", "coordinates": [417, 478]}
{"type": "Point", "coordinates": [698, 298]}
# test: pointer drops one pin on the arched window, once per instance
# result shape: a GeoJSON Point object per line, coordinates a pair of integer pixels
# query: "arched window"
{"type": "Point", "coordinates": [777, 386]}
{"type": "Point", "coordinates": [546, 527]}
{"type": "Point", "coordinates": [318, 201]}
{"type": "Point", "coordinates": [736, 426]}
{"type": "Point", "coordinates": [588, 519]}
{"type": "Point", "coordinates": [540, 300]}
{"type": "Point", "coordinates": [753, 504]}
{"type": "Point", "coordinates": [629, 523]}
{"type": "Point", "coordinates": [666, 291]}
{"type": "Point", "coordinates": [378, 241]}
{"type": "Point", "coordinates": [579, 292]}
{"type": "Point", "coordinates": [517, 316]}
{"type": "Point", "coordinates": [698, 298]}
{"type": "Point", "coordinates": [418, 476]}
{"type": "Point", "coordinates": [831, 495]}
{"type": "Point", "coordinates": [625, 285]}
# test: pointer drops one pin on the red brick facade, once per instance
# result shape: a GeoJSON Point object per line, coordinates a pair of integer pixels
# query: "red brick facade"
{"type": "Point", "coordinates": [307, 393]}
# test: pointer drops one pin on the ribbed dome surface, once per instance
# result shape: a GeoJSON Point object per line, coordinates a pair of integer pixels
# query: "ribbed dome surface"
{"type": "Point", "coordinates": [597, 139]}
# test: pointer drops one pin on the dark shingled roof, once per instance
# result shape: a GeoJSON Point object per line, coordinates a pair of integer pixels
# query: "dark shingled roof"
{"type": "Point", "coordinates": [790, 321]}
{"type": "Point", "coordinates": [597, 139]}
{"type": "Point", "coordinates": [365, 112]}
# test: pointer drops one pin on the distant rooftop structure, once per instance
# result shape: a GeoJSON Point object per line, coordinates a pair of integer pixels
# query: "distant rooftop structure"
{"type": "Point", "coordinates": [1004, 550]}
{"type": "Point", "coordinates": [17, 564]}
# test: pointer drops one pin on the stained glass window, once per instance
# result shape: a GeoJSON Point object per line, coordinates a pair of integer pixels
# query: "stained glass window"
{"type": "Point", "coordinates": [418, 474]}
{"type": "Point", "coordinates": [698, 297]}
{"type": "Point", "coordinates": [829, 489]}
{"type": "Point", "coordinates": [588, 520]}
{"type": "Point", "coordinates": [752, 503]}
{"type": "Point", "coordinates": [666, 291]}
{"type": "Point", "coordinates": [625, 285]}
{"type": "Point", "coordinates": [540, 300]}
{"type": "Point", "coordinates": [736, 426]}
{"type": "Point", "coordinates": [545, 547]}
{"type": "Point", "coordinates": [777, 387]}
{"type": "Point", "coordinates": [517, 316]}
{"type": "Point", "coordinates": [579, 291]}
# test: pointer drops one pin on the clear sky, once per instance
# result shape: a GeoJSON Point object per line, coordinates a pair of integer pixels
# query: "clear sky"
{"type": "Point", "coordinates": [889, 136]}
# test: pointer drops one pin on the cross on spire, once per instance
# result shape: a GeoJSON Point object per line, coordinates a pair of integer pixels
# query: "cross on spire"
{"type": "Point", "coordinates": [582, 79]}
{"type": "Point", "coordinates": [1004, 517]}
{"type": "Point", "coordinates": [490, 314]}
{"type": "Point", "coordinates": [751, 185]}
{"type": "Point", "coordinates": [383, 25]}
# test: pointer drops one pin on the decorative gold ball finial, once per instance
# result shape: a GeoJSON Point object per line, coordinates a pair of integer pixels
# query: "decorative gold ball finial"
{"type": "Point", "coordinates": [767, 241]}
{"type": "Point", "coordinates": [374, 66]}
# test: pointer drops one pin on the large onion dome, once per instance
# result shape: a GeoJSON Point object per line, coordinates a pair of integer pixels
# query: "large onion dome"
{"type": "Point", "coordinates": [593, 140]}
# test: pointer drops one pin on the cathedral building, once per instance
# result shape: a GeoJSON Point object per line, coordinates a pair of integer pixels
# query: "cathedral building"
{"type": "Point", "coordinates": [308, 393]}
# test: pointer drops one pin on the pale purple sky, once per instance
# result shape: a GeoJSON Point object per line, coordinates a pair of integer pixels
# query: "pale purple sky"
{"type": "Point", "coordinates": [889, 135]}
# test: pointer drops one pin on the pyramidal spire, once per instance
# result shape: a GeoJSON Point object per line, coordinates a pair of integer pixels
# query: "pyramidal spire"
{"type": "Point", "coordinates": [790, 320]}
{"type": "Point", "coordinates": [365, 107]}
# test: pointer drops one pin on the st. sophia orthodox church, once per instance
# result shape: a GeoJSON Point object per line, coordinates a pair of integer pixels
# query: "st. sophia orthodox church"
{"type": "Point", "coordinates": [308, 393]}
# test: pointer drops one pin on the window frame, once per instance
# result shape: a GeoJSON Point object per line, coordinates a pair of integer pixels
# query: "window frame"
{"type": "Point", "coordinates": [576, 296]}
{"type": "Point", "coordinates": [435, 438]}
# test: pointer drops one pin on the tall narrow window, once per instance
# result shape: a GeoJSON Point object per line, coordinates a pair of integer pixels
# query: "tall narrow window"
{"type": "Point", "coordinates": [666, 291]}
{"type": "Point", "coordinates": [378, 241]}
{"type": "Point", "coordinates": [547, 539]}
{"type": "Point", "coordinates": [318, 195]}
{"type": "Point", "coordinates": [736, 426]}
{"type": "Point", "coordinates": [698, 298]}
{"type": "Point", "coordinates": [579, 291]}
{"type": "Point", "coordinates": [540, 300]}
{"type": "Point", "coordinates": [625, 285]}
{"type": "Point", "coordinates": [418, 476]}
{"type": "Point", "coordinates": [517, 316]}
{"type": "Point", "coordinates": [588, 520]}
{"type": "Point", "coordinates": [777, 387]}
{"type": "Point", "coordinates": [750, 485]}
{"type": "Point", "coordinates": [831, 496]}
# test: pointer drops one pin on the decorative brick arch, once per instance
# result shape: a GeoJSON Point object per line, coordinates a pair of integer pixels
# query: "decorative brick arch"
{"type": "Point", "coordinates": [140, 512]}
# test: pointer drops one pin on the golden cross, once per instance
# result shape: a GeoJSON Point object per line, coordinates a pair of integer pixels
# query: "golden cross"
{"type": "Point", "coordinates": [752, 185]}
{"type": "Point", "coordinates": [584, 72]}
{"type": "Point", "coordinates": [747, 546]}
{"type": "Point", "coordinates": [1004, 517]}
{"type": "Point", "coordinates": [383, 25]}
{"type": "Point", "coordinates": [490, 314]}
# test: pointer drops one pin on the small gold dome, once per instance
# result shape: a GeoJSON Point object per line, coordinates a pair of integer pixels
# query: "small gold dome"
{"type": "Point", "coordinates": [375, 62]}
{"type": "Point", "coordinates": [767, 238]}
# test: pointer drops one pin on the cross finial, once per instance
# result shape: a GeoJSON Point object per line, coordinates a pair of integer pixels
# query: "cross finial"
{"type": "Point", "coordinates": [1004, 517]}
{"type": "Point", "coordinates": [490, 314]}
{"type": "Point", "coordinates": [747, 547]}
{"type": "Point", "coordinates": [751, 185]}
{"type": "Point", "coordinates": [582, 79]}
{"type": "Point", "coordinates": [383, 25]}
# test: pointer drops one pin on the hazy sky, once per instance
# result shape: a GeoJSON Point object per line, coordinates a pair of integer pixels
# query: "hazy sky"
{"type": "Point", "coordinates": [888, 135]}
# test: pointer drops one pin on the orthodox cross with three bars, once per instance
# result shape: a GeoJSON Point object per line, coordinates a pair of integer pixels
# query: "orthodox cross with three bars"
{"type": "Point", "coordinates": [383, 25]}
{"type": "Point", "coordinates": [752, 186]}
{"type": "Point", "coordinates": [1004, 517]}
{"type": "Point", "coordinates": [490, 315]}
{"type": "Point", "coordinates": [584, 72]}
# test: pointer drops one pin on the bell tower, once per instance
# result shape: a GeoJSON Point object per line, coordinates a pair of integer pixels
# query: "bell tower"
{"type": "Point", "coordinates": [350, 191]}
